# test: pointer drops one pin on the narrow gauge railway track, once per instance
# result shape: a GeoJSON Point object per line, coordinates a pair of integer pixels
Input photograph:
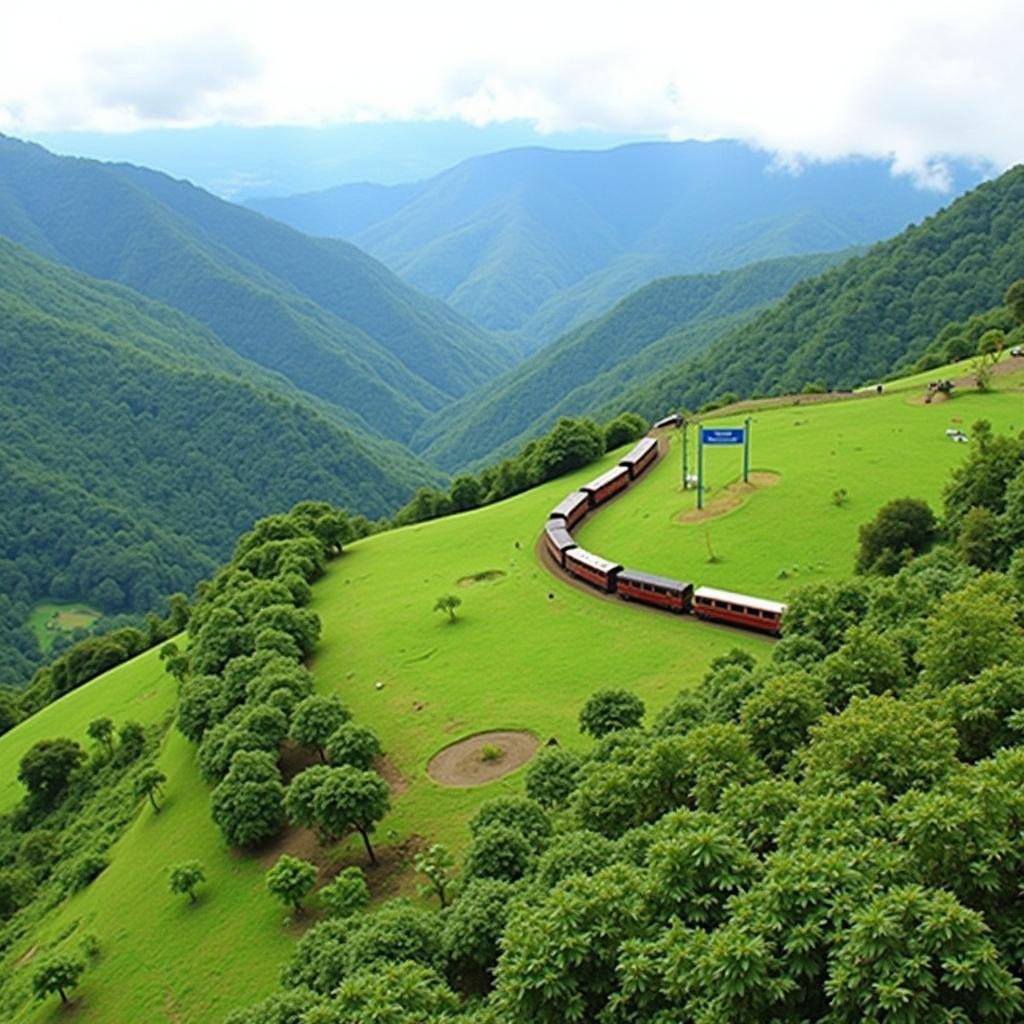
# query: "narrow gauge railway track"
{"type": "Point", "coordinates": [563, 556]}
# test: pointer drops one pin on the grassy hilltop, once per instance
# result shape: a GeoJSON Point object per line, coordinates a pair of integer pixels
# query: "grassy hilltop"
{"type": "Point", "coordinates": [525, 652]}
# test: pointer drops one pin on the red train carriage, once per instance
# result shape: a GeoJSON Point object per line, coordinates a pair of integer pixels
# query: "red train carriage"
{"type": "Point", "coordinates": [673, 420]}
{"type": "Point", "coordinates": [656, 590]}
{"type": "Point", "coordinates": [738, 609]}
{"type": "Point", "coordinates": [645, 452]}
{"type": "Point", "coordinates": [558, 540]}
{"type": "Point", "coordinates": [607, 484]}
{"type": "Point", "coordinates": [594, 569]}
{"type": "Point", "coordinates": [572, 508]}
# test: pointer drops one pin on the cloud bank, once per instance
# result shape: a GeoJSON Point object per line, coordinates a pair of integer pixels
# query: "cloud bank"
{"type": "Point", "coordinates": [911, 81]}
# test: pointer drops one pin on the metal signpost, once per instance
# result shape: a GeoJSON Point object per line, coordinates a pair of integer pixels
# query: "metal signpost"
{"type": "Point", "coordinates": [721, 436]}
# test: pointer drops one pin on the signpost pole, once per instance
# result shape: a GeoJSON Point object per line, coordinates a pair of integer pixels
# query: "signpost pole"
{"type": "Point", "coordinates": [700, 467]}
{"type": "Point", "coordinates": [746, 450]}
{"type": "Point", "coordinates": [686, 480]}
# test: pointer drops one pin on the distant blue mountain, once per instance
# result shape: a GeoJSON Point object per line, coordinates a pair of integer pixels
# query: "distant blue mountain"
{"type": "Point", "coordinates": [534, 241]}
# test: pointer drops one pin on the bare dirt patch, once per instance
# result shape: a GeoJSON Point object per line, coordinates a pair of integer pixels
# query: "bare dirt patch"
{"type": "Point", "coordinates": [729, 498]}
{"type": "Point", "coordinates": [462, 764]}
{"type": "Point", "coordinates": [388, 771]}
{"type": "Point", "coordinates": [294, 759]}
{"type": "Point", "coordinates": [487, 576]}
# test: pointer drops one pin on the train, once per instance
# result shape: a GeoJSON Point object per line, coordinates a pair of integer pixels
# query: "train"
{"type": "Point", "coordinates": [678, 596]}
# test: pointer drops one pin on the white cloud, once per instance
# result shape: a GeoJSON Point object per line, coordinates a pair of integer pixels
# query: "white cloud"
{"type": "Point", "coordinates": [909, 80]}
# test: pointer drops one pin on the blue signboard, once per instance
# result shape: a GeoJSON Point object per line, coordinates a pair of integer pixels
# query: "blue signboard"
{"type": "Point", "coordinates": [721, 435]}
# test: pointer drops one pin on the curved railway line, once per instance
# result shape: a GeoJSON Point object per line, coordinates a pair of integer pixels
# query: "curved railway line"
{"type": "Point", "coordinates": [563, 556]}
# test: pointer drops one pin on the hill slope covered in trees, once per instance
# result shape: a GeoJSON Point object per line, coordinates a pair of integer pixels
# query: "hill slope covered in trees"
{"type": "Point", "coordinates": [591, 365]}
{"type": "Point", "coordinates": [135, 447]}
{"type": "Point", "coordinates": [534, 241]}
{"type": "Point", "coordinates": [868, 318]}
{"type": "Point", "coordinates": [334, 321]}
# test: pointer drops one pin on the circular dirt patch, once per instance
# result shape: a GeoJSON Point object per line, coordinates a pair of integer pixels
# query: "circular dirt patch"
{"type": "Point", "coordinates": [730, 498]}
{"type": "Point", "coordinates": [463, 764]}
{"type": "Point", "coordinates": [487, 576]}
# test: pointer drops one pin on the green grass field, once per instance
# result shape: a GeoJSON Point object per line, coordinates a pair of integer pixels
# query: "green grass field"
{"type": "Point", "coordinates": [49, 619]}
{"type": "Point", "coordinates": [525, 652]}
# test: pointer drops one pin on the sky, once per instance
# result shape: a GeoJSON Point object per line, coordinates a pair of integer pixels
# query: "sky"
{"type": "Point", "coordinates": [913, 82]}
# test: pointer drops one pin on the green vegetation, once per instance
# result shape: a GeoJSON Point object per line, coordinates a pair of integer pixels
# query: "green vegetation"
{"type": "Point", "coordinates": [321, 313]}
{"type": "Point", "coordinates": [589, 367]}
{"type": "Point", "coordinates": [50, 619]}
{"type": "Point", "coordinates": [534, 241]}
{"type": "Point", "coordinates": [138, 492]}
{"type": "Point", "coordinates": [869, 318]}
{"type": "Point", "coordinates": [419, 685]}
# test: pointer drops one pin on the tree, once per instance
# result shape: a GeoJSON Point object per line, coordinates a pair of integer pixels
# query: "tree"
{"type": "Point", "coordinates": [346, 894]}
{"type": "Point", "coordinates": [1014, 299]}
{"type": "Point", "coordinates": [436, 864]}
{"type": "Point", "coordinates": [47, 767]}
{"type": "Point", "coordinates": [315, 719]}
{"type": "Point", "coordinates": [978, 540]}
{"type": "Point", "coordinates": [923, 952]}
{"type": "Point", "coordinates": [474, 923]}
{"type": "Point", "coordinates": [894, 743]}
{"type": "Point", "coordinates": [901, 529]}
{"type": "Point", "coordinates": [624, 428]}
{"type": "Point", "coordinates": [355, 745]}
{"type": "Point", "coordinates": [291, 879]}
{"type": "Point", "coordinates": [15, 891]}
{"type": "Point", "coordinates": [389, 993]}
{"type": "Point", "coordinates": [466, 492]}
{"type": "Point", "coordinates": [300, 797]}
{"type": "Point", "coordinates": [351, 799]}
{"type": "Point", "coordinates": [777, 718]}
{"type": "Point", "coordinates": [248, 805]}
{"type": "Point", "coordinates": [448, 603]}
{"type": "Point", "coordinates": [499, 851]}
{"type": "Point", "coordinates": [148, 783]}
{"type": "Point", "coordinates": [101, 730]}
{"type": "Point", "coordinates": [971, 630]}
{"type": "Point", "coordinates": [186, 877]}
{"type": "Point", "coordinates": [526, 816]}
{"type": "Point", "coordinates": [552, 776]}
{"type": "Point", "coordinates": [57, 973]}
{"type": "Point", "coordinates": [610, 710]}
{"type": "Point", "coordinates": [131, 742]}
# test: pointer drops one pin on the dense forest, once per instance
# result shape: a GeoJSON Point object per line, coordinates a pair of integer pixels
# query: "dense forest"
{"type": "Point", "coordinates": [590, 366]}
{"type": "Point", "coordinates": [138, 490]}
{"type": "Point", "coordinates": [867, 318]}
{"type": "Point", "coordinates": [326, 316]}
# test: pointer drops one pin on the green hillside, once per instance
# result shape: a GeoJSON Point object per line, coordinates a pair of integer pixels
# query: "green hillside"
{"type": "Point", "coordinates": [326, 316]}
{"type": "Point", "coordinates": [869, 317]}
{"type": "Point", "coordinates": [535, 241]}
{"type": "Point", "coordinates": [139, 488]}
{"type": "Point", "coordinates": [590, 366]}
{"type": "Point", "coordinates": [526, 651]}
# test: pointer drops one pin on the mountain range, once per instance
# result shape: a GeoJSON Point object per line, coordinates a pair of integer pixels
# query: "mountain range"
{"type": "Point", "coordinates": [534, 241]}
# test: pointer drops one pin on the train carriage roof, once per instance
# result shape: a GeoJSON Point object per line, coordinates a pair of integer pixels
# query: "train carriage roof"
{"type": "Point", "coordinates": [561, 537]}
{"type": "Point", "coordinates": [615, 473]}
{"type": "Point", "coordinates": [642, 447]}
{"type": "Point", "coordinates": [593, 561]}
{"type": "Point", "coordinates": [569, 503]}
{"type": "Point", "coordinates": [635, 576]}
{"type": "Point", "coordinates": [761, 603]}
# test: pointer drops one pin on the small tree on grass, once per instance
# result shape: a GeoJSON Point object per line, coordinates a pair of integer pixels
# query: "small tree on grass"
{"type": "Point", "coordinates": [101, 731]}
{"type": "Point", "coordinates": [901, 529]}
{"type": "Point", "coordinates": [248, 805]}
{"type": "Point", "coordinates": [351, 799]}
{"type": "Point", "coordinates": [355, 745]}
{"type": "Point", "coordinates": [291, 880]}
{"type": "Point", "coordinates": [316, 719]}
{"type": "Point", "coordinates": [609, 711]}
{"type": "Point", "coordinates": [148, 783]}
{"type": "Point", "coordinates": [59, 974]}
{"type": "Point", "coordinates": [347, 894]}
{"type": "Point", "coordinates": [448, 603]}
{"type": "Point", "coordinates": [186, 877]}
{"type": "Point", "coordinates": [47, 767]}
{"type": "Point", "coordinates": [436, 865]}
{"type": "Point", "coordinates": [132, 741]}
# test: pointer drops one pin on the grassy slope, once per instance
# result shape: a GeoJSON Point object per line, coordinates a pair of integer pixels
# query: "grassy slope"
{"type": "Point", "coordinates": [515, 659]}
